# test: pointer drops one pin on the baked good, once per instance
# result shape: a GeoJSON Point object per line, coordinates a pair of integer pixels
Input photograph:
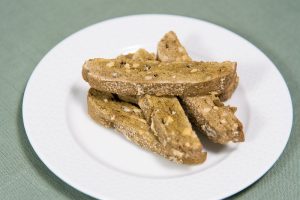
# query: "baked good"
{"type": "Point", "coordinates": [227, 93]}
{"type": "Point", "coordinates": [129, 77]}
{"type": "Point", "coordinates": [128, 120]}
{"type": "Point", "coordinates": [168, 120]}
{"type": "Point", "coordinates": [171, 126]}
{"type": "Point", "coordinates": [169, 49]}
{"type": "Point", "coordinates": [215, 120]}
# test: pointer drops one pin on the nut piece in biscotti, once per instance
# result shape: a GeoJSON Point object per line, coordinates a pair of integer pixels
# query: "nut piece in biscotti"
{"type": "Point", "coordinates": [125, 76]}
{"type": "Point", "coordinates": [169, 49]}
{"type": "Point", "coordinates": [129, 120]}
{"type": "Point", "coordinates": [217, 121]}
{"type": "Point", "coordinates": [172, 127]}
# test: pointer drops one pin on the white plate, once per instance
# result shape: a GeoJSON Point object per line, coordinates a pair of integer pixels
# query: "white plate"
{"type": "Point", "coordinates": [101, 163]}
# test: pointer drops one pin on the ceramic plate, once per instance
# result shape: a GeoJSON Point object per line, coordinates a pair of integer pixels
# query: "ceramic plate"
{"type": "Point", "coordinates": [102, 163]}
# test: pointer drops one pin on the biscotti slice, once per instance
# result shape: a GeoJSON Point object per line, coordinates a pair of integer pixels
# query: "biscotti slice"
{"type": "Point", "coordinates": [125, 76]}
{"type": "Point", "coordinates": [169, 49]}
{"type": "Point", "coordinates": [129, 120]}
{"type": "Point", "coordinates": [170, 124]}
{"type": "Point", "coordinates": [217, 121]}
{"type": "Point", "coordinates": [227, 93]}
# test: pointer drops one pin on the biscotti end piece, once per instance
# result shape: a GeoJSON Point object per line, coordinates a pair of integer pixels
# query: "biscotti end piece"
{"type": "Point", "coordinates": [169, 49]}
{"type": "Point", "coordinates": [124, 117]}
{"type": "Point", "coordinates": [229, 90]}
{"type": "Point", "coordinates": [128, 120]}
{"type": "Point", "coordinates": [170, 124]}
{"type": "Point", "coordinates": [125, 76]}
{"type": "Point", "coordinates": [217, 121]}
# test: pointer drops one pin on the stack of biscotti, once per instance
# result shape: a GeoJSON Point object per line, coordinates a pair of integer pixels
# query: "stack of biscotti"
{"type": "Point", "coordinates": [145, 107]}
{"type": "Point", "coordinates": [215, 120]}
{"type": "Point", "coordinates": [128, 119]}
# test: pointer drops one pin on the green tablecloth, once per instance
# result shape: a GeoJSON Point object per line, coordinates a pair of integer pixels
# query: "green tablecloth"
{"type": "Point", "coordinates": [29, 29]}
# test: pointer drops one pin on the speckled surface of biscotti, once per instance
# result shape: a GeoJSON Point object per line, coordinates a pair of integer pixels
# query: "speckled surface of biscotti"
{"type": "Point", "coordinates": [125, 76]}
{"type": "Point", "coordinates": [216, 121]}
{"type": "Point", "coordinates": [171, 126]}
{"type": "Point", "coordinates": [170, 49]}
{"type": "Point", "coordinates": [139, 55]}
{"type": "Point", "coordinates": [129, 120]}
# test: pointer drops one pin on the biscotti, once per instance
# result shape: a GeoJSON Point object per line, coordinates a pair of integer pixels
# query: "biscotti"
{"type": "Point", "coordinates": [171, 126]}
{"type": "Point", "coordinates": [217, 121]}
{"type": "Point", "coordinates": [227, 93]}
{"type": "Point", "coordinates": [169, 49]}
{"type": "Point", "coordinates": [202, 109]}
{"type": "Point", "coordinates": [152, 116]}
{"type": "Point", "coordinates": [128, 119]}
{"type": "Point", "coordinates": [125, 76]}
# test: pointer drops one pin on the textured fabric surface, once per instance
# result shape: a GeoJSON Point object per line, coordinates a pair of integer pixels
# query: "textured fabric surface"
{"type": "Point", "coordinates": [29, 29]}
